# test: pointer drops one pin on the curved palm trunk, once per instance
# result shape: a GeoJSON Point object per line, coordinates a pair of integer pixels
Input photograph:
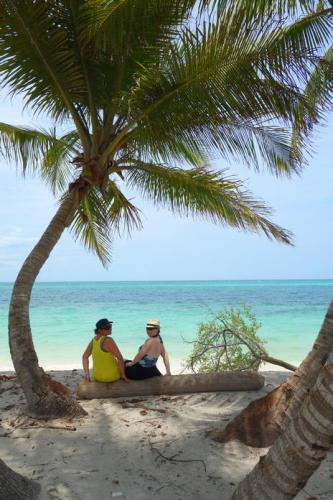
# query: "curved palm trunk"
{"type": "Point", "coordinates": [13, 486]}
{"type": "Point", "coordinates": [263, 420]}
{"type": "Point", "coordinates": [298, 452]}
{"type": "Point", "coordinates": [44, 396]}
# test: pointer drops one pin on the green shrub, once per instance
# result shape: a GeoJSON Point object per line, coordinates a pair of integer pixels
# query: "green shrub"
{"type": "Point", "coordinates": [228, 342]}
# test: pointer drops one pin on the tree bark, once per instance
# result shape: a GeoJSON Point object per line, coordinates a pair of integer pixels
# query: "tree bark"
{"type": "Point", "coordinates": [263, 420]}
{"type": "Point", "coordinates": [13, 486]}
{"type": "Point", "coordinates": [298, 452]}
{"type": "Point", "coordinates": [278, 362]}
{"type": "Point", "coordinates": [45, 397]}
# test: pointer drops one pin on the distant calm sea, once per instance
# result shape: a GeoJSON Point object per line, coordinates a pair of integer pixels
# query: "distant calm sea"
{"type": "Point", "coordinates": [63, 314]}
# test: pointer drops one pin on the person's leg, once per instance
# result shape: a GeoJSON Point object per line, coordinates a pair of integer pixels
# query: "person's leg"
{"type": "Point", "coordinates": [155, 371]}
{"type": "Point", "coordinates": [138, 372]}
{"type": "Point", "coordinates": [150, 372]}
{"type": "Point", "coordinates": [134, 372]}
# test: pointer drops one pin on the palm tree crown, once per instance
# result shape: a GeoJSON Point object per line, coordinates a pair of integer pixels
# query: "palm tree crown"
{"type": "Point", "coordinates": [150, 92]}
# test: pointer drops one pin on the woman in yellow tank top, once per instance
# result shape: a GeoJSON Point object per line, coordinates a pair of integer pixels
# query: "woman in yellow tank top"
{"type": "Point", "coordinates": [108, 363]}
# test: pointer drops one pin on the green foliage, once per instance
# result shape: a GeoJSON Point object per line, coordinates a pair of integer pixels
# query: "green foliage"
{"type": "Point", "coordinates": [100, 217]}
{"type": "Point", "coordinates": [154, 91]}
{"type": "Point", "coordinates": [228, 342]}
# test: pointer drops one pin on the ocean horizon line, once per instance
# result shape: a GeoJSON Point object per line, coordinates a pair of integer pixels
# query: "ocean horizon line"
{"type": "Point", "coordinates": [176, 280]}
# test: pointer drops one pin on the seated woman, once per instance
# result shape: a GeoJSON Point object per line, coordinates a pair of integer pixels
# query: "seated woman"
{"type": "Point", "coordinates": [108, 363]}
{"type": "Point", "coordinates": [144, 364]}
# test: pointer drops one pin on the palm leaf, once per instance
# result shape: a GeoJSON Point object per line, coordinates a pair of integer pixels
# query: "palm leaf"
{"type": "Point", "coordinates": [100, 216]}
{"type": "Point", "coordinates": [209, 80]}
{"type": "Point", "coordinates": [319, 94]}
{"type": "Point", "coordinates": [122, 214]}
{"type": "Point", "coordinates": [38, 60]}
{"type": "Point", "coordinates": [56, 168]}
{"type": "Point", "coordinates": [79, 27]}
{"type": "Point", "coordinates": [123, 25]}
{"type": "Point", "coordinates": [241, 141]}
{"type": "Point", "coordinates": [91, 228]}
{"type": "Point", "coordinates": [127, 33]}
{"type": "Point", "coordinates": [259, 9]}
{"type": "Point", "coordinates": [29, 148]}
{"type": "Point", "coordinates": [152, 83]}
{"type": "Point", "coordinates": [204, 193]}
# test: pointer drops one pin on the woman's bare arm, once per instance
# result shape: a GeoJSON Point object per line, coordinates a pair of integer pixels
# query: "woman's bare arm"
{"type": "Point", "coordinates": [85, 361]}
{"type": "Point", "coordinates": [166, 361]}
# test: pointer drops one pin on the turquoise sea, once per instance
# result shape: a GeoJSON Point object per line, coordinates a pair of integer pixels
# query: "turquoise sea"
{"type": "Point", "coordinates": [63, 315]}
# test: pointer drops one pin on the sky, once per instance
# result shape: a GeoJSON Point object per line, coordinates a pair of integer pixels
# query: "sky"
{"type": "Point", "coordinates": [173, 248]}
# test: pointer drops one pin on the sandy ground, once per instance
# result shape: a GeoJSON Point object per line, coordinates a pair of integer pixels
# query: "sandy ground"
{"type": "Point", "coordinates": [126, 446]}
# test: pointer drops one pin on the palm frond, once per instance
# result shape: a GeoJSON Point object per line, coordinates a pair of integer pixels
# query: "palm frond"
{"type": "Point", "coordinates": [211, 79]}
{"type": "Point", "coordinates": [100, 216]}
{"type": "Point", "coordinates": [38, 60]}
{"type": "Point", "coordinates": [28, 147]}
{"type": "Point", "coordinates": [79, 28]}
{"type": "Point", "coordinates": [56, 168]}
{"type": "Point", "coordinates": [122, 23]}
{"type": "Point", "coordinates": [259, 9]}
{"type": "Point", "coordinates": [151, 83]}
{"type": "Point", "coordinates": [241, 141]}
{"type": "Point", "coordinates": [128, 33]}
{"type": "Point", "coordinates": [204, 193]}
{"type": "Point", "coordinates": [319, 95]}
{"type": "Point", "coordinates": [122, 214]}
{"type": "Point", "coordinates": [91, 227]}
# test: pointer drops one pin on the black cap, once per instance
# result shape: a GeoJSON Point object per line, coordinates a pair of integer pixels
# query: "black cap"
{"type": "Point", "coordinates": [103, 323]}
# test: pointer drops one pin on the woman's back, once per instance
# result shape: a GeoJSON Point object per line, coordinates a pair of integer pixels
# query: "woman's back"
{"type": "Point", "coordinates": [155, 347]}
{"type": "Point", "coordinates": [105, 366]}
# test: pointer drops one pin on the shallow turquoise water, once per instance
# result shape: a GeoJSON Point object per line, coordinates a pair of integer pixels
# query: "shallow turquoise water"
{"type": "Point", "coordinates": [63, 314]}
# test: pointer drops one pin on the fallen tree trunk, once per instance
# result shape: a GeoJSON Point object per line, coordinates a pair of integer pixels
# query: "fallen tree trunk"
{"type": "Point", "coordinates": [174, 384]}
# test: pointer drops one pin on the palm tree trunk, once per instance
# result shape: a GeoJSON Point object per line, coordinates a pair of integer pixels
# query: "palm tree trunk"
{"type": "Point", "coordinates": [13, 486]}
{"type": "Point", "coordinates": [298, 452]}
{"type": "Point", "coordinates": [44, 396]}
{"type": "Point", "coordinates": [263, 420]}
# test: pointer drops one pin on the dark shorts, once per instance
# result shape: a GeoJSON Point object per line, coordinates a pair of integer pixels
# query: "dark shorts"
{"type": "Point", "coordinates": [138, 372]}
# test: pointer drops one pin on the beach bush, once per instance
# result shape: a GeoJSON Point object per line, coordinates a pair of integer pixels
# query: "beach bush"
{"type": "Point", "coordinates": [228, 342]}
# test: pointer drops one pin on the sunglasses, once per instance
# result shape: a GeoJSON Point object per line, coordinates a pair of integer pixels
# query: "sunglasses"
{"type": "Point", "coordinates": [106, 327]}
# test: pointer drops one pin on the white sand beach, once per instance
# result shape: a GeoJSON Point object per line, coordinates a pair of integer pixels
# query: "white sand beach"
{"type": "Point", "coordinates": [145, 448]}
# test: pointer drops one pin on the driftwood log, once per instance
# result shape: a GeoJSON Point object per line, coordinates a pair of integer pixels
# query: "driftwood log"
{"type": "Point", "coordinates": [173, 384]}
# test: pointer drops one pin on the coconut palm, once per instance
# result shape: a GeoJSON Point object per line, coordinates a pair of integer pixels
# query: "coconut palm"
{"type": "Point", "coordinates": [146, 94]}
